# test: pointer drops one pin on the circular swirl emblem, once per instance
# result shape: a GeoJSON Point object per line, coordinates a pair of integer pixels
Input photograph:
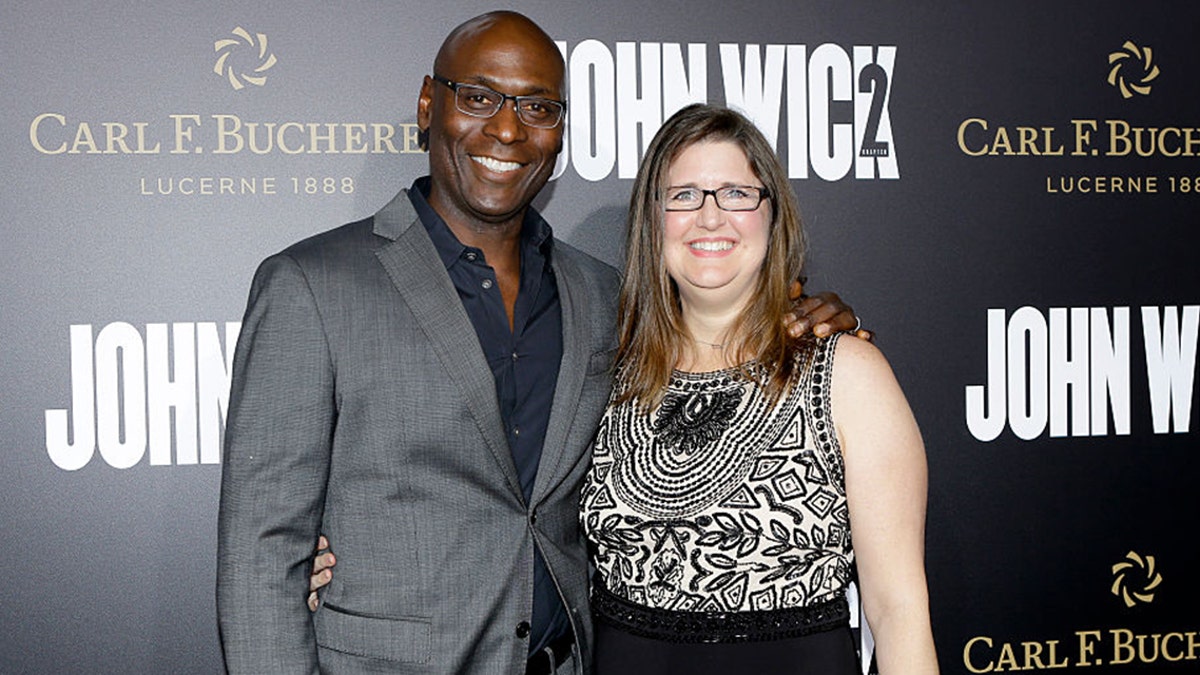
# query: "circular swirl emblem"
{"type": "Point", "coordinates": [1132, 70]}
{"type": "Point", "coordinates": [1134, 578]}
{"type": "Point", "coordinates": [238, 77]}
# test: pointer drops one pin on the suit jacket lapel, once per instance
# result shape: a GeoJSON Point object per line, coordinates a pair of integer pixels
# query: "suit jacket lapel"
{"type": "Point", "coordinates": [571, 374]}
{"type": "Point", "coordinates": [417, 272]}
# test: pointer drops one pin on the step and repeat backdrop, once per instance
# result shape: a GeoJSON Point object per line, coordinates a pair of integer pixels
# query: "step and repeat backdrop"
{"type": "Point", "coordinates": [1006, 192]}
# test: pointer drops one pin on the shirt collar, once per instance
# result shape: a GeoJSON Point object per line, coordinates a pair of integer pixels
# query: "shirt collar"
{"type": "Point", "coordinates": [536, 236]}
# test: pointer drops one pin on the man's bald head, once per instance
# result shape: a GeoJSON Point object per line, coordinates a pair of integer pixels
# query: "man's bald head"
{"type": "Point", "coordinates": [514, 25]}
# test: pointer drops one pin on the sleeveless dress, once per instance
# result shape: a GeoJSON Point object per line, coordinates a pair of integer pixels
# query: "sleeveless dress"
{"type": "Point", "coordinates": [719, 528]}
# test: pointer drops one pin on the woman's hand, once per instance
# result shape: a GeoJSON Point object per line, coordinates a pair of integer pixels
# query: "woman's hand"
{"type": "Point", "coordinates": [322, 573]}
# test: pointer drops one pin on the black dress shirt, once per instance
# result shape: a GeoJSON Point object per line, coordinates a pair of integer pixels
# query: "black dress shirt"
{"type": "Point", "coordinates": [524, 362]}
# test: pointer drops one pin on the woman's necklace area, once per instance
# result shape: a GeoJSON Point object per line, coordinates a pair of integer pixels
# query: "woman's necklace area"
{"type": "Point", "coordinates": [705, 356]}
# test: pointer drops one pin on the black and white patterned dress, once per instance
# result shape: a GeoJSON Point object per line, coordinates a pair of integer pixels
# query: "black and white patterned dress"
{"type": "Point", "coordinates": [719, 522]}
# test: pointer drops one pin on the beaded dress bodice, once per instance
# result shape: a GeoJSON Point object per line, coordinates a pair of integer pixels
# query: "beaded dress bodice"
{"type": "Point", "coordinates": [719, 500]}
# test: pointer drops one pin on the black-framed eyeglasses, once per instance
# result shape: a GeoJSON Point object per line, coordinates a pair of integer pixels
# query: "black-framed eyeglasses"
{"type": "Point", "coordinates": [728, 198]}
{"type": "Point", "coordinates": [479, 101]}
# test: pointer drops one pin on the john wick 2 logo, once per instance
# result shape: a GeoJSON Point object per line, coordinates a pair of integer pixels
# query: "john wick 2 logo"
{"type": "Point", "coordinates": [1075, 366]}
{"type": "Point", "coordinates": [1135, 579]}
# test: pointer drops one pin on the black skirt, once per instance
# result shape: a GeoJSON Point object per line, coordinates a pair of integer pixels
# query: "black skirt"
{"type": "Point", "coordinates": [632, 639]}
{"type": "Point", "coordinates": [826, 653]}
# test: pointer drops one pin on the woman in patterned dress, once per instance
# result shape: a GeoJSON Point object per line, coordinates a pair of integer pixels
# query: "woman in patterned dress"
{"type": "Point", "coordinates": [734, 464]}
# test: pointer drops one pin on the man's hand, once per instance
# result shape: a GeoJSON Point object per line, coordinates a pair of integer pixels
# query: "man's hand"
{"type": "Point", "coordinates": [322, 574]}
{"type": "Point", "coordinates": [824, 314]}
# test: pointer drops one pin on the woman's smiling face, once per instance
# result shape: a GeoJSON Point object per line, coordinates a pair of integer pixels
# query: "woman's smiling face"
{"type": "Point", "coordinates": [714, 255]}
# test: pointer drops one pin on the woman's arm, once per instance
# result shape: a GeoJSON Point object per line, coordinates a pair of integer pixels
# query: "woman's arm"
{"type": "Point", "coordinates": [885, 486]}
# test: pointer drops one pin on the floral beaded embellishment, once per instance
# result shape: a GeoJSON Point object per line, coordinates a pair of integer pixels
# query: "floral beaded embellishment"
{"type": "Point", "coordinates": [688, 422]}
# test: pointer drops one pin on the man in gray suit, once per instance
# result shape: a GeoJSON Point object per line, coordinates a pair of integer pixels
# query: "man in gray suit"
{"type": "Point", "coordinates": [422, 386]}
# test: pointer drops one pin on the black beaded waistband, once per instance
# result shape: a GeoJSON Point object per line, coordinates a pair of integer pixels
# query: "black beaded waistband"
{"type": "Point", "coordinates": [749, 626]}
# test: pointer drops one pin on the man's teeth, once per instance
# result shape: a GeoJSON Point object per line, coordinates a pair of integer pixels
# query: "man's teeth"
{"type": "Point", "coordinates": [496, 165]}
{"type": "Point", "coordinates": [712, 245]}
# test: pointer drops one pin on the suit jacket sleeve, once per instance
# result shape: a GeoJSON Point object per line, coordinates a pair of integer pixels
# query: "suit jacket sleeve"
{"type": "Point", "coordinates": [275, 467]}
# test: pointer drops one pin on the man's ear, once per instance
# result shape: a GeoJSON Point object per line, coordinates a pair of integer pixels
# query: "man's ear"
{"type": "Point", "coordinates": [424, 112]}
{"type": "Point", "coordinates": [424, 103]}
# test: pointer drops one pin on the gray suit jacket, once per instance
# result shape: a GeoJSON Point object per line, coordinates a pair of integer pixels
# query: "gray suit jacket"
{"type": "Point", "coordinates": [362, 407]}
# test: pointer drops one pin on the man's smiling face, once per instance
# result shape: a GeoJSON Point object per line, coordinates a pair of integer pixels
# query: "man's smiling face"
{"type": "Point", "coordinates": [486, 171]}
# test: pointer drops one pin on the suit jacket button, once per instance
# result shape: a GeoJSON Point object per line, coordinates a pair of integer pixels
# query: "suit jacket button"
{"type": "Point", "coordinates": [523, 629]}
{"type": "Point", "coordinates": [533, 517]}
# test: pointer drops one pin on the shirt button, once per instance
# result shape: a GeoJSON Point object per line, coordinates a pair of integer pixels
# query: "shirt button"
{"type": "Point", "coordinates": [515, 357]}
{"type": "Point", "coordinates": [471, 256]}
{"type": "Point", "coordinates": [516, 431]}
{"type": "Point", "coordinates": [523, 629]}
{"type": "Point", "coordinates": [487, 283]}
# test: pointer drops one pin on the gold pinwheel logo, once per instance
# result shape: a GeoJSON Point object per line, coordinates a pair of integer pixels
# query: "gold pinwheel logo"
{"type": "Point", "coordinates": [1132, 69]}
{"type": "Point", "coordinates": [1134, 579]}
{"type": "Point", "coordinates": [238, 78]}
